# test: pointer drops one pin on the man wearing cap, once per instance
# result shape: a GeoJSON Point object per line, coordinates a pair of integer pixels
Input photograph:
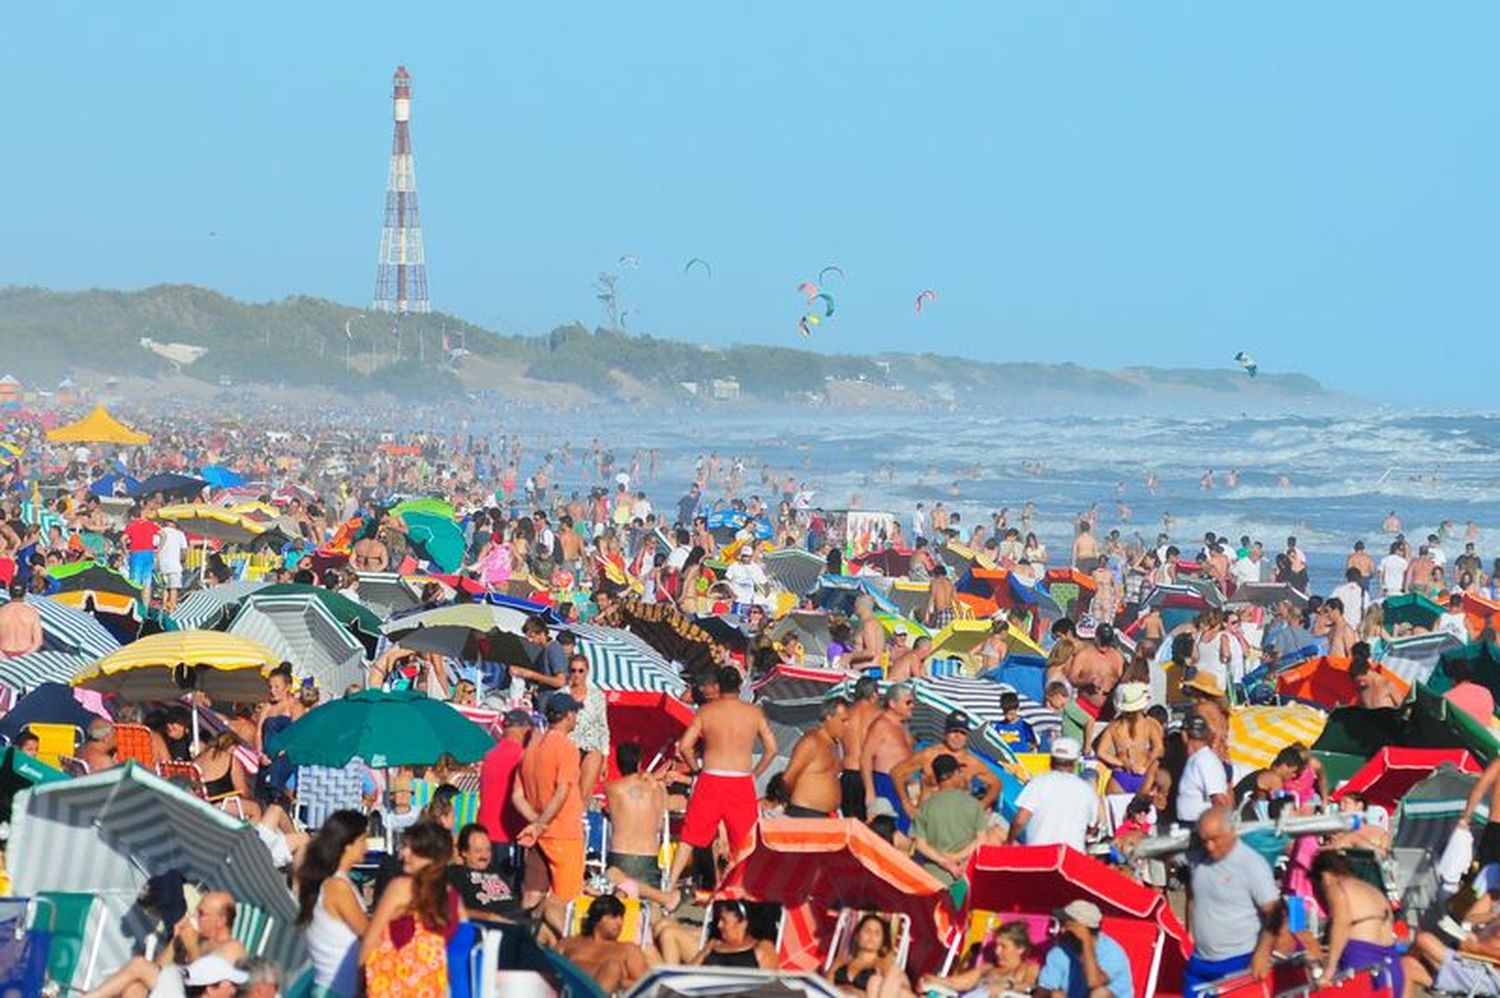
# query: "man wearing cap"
{"type": "Point", "coordinates": [497, 779]}
{"type": "Point", "coordinates": [955, 743]}
{"type": "Point", "coordinates": [746, 578]}
{"type": "Point", "coordinates": [1232, 898]}
{"type": "Point", "coordinates": [812, 775]}
{"type": "Point", "coordinates": [909, 663]}
{"type": "Point", "coordinates": [1203, 784]}
{"type": "Point", "coordinates": [865, 708]}
{"type": "Point", "coordinates": [207, 933]}
{"type": "Point", "coordinates": [214, 977]}
{"type": "Point", "coordinates": [1057, 807]}
{"type": "Point", "coordinates": [1085, 963]}
{"type": "Point", "coordinates": [950, 823]}
{"type": "Point", "coordinates": [547, 795]}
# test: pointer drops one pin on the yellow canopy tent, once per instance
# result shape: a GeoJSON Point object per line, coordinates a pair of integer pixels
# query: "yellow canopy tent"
{"type": "Point", "coordinates": [98, 427]}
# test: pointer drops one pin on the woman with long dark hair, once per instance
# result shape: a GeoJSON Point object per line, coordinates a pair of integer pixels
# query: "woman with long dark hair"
{"type": "Point", "coordinates": [405, 946]}
{"type": "Point", "coordinates": [329, 908]}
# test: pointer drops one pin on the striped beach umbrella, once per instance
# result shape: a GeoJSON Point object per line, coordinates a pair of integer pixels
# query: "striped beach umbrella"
{"type": "Point", "coordinates": [1415, 657]}
{"type": "Point", "coordinates": [68, 630]}
{"type": "Point", "coordinates": [107, 833]}
{"type": "Point", "coordinates": [300, 630]}
{"type": "Point", "coordinates": [30, 671]}
{"type": "Point", "coordinates": [387, 593]}
{"type": "Point", "coordinates": [618, 661]}
{"type": "Point", "coordinates": [1256, 734]}
{"type": "Point", "coordinates": [211, 609]}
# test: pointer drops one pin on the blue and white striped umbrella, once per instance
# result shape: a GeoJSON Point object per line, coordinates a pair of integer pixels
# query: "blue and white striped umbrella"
{"type": "Point", "coordinates": [207, 609]}
{"type": "Point", "coordinates": [620, 661]}
{"type": "Point", "coordinates": [30, 671]}
{"type": "Point", "coordinates": [69, 630]}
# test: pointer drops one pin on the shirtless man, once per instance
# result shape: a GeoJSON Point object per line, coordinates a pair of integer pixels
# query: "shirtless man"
{"type": "Point", "coordinates": [637, 802]}
{"type": "Point", "coordinates": [20, 624]}
{"type": "Point", "coordinates": [869, 643]}
{"type": "Point", "coordinates": [865, 709]}
{"type": "Point", "coordinates": [911, 663]}
{"type": "Point", "coordinates": [1359, 559]}
{"type": "Point", "coordinates": [939, 613]}
{"type": "Point", "coordinates": [1341, 636]}
{"type": "Point", "coordinates": [206, 932]}
{"type": "Point", "coordinates": [725, 789]}
{"type": "Point", "coordinates": [98, 750]}
{"type": "Point", "coordinates": [370, 555]}
{"type": "Point", "coordinates": [955, 742]}
{"type": "Point", "coordinates": [1096, 667]}
{"type": "Point", "coordinates": [598, 952]}
{"type": "Point", "coordinates": [887, 742]}
{"type": "Point", "coordinates": [1085, 549]}
{"type": "Point", "coordinates": [812, 776]}
{"type": "Point", "coordinates": [1372, 690]}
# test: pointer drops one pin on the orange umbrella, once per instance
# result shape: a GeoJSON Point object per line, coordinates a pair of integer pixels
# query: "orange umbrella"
{"type": "Point", "coordinates": [1326, 681]}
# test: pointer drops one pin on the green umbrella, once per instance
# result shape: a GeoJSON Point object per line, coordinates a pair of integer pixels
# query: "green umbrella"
{"type": "Point", "coordinates": [436, 538]}
{"type": "Point", "coordinates": [79, 575]}
{"type": "Point", "coordinates": [432, 507]}
{"type": "Point", "coordinates": [400, 728]}
{"type": "Point", "coordinates": [343, 609]}
{"type": "Point", "coordinates": [1411, 608]}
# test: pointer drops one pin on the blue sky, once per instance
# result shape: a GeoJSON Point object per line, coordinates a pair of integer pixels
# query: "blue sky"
{"type": "Point", "coordinates": [1103, 183]}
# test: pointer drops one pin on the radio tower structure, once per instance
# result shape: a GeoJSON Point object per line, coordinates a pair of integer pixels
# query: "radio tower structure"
{"type": "Point", "coordinates": [401, 280]}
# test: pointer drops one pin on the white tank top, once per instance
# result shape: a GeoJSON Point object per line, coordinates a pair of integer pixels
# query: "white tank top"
{"type": "Point", "coordinates": [1208, 658]}
{"type": "Point", "coordinates": [334, 949]}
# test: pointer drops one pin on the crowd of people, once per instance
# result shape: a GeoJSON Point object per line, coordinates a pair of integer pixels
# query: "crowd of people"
{"type": "Point", "coordinates": [1128, 741]}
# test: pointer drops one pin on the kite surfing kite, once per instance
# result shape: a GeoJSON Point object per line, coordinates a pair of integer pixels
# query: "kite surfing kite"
{"type": "Point", "coordinates": [808, 288]}
{"type": "Point", "coordinates": [630, 260]}
{"type": "Point", "coordinates": [827, 304]}
{"type": "Point", "coordinates": [805, 324]}
{"type": "Point", "coordinates": [925, 296]}
{"type": "Point", "coordinates": [1247, 362]}
{"type": "Point", "coordinates": [830, 269]}
{"type": "Point", "coordinates": [698, 261]}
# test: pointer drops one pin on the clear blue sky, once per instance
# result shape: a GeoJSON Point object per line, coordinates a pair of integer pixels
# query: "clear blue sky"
{"type": "Point", "coordinates": [1103, 183]}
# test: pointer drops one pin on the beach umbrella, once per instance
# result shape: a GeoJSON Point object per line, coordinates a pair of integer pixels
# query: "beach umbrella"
{"type": "Point", "coordinates": [213, 608]}
{"type": "Point", "coordinates": [65, 629]}
{"type": "Point", "coordinates": [1415, 657]}
{"type": "Point", "coordinates": [47, 703]}
{"type": "Point", "coordinates": [889, 562]}
{"type": "Point", "coordinates": [1425, 721]}
{"type": "Point", "coordinates": [225, 667]}
{"type": "Point", "coordinates": [793, 696]}
{"type": "Point", "coordinates": [221, 477]}
{"type": "Point", "coordinates": [810, 628]}
{"type": "Point", "coordinates": [619, 661]}
{"type": "Point", "coordinates": [168, 484]}
{"type": "Point", "coordinates": [526, 606]}
{"type": "Point", "coordinates": [387, 593]}
{"type": "Point", "coordinates": [300, 630]}
{"type": "Point", "coordinates": [910, 597]}
{"type": "Point", "coordinates": [19, 771]}
{"type": "Point", "coordinates": [364, 622]}
{"type": "Point", "coordinates": [98, 427]}
{"type": "Point", "coordinates": [436, 539]}
{"type": "Point", "coordinates": [1325, 681]}
{"type": "Point", "coordinates": [793, 569]}
{"type": "Point", "coordinates": [1038, 880]}
{"type": "Point", "coordinates": [665, 629]}
{"type": "Point", "coordinates": [1394, 770]}
{"type": "Point", "coordinates": [1256, 734]}
{"type": "Point", "coordinates": [427, 506]}
{"type": "Point", "coordinates": [203, 519]}
{"type": "Point", "coordinates": [27, 672]}
{"type": "Point", "coordinates": [837, 594]}
{"type": "Point", "coordinates": [652, 720]}
{"type": "Point", "coordinates": [1428, 812]}
{"type": "Point", "coordinates": [1482, 661]}
{"type": "Point", "coordinates": [1268, 594]}
{"type": "Point", "coordinates": [812, 866]}
{"type": "Point", "coordinates": [726, 629]}
{"type": "Point", "coordinates": [397, 728]}
{"type": "Point", "coordinates": [90, 576]}
{"type": "Point", "coordinates": [464, 631]}
{"type": "Point", "coordinates": [114, 483]}
{"type": "Point", "coordinates": [107, 833]}
{"type": "Point", "coordinates": [1410, 608]}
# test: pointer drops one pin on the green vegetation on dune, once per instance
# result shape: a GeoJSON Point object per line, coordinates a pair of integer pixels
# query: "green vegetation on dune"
{"type": "Point", "coordinates": [301, 341]}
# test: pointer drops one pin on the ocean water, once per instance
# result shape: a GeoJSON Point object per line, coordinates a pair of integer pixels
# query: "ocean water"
{"type": "Point", "coordinates": [1328, 480]}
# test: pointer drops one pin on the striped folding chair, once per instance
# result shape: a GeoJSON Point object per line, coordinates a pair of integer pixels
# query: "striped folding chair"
{"type": "Point", "coordinates": [466, 808]}
{"type": "Point", "coordinates": [252, 927]}
{"type": "Point", "coordinates": [322, 790]}
{"type": "Point", "coordinates": [185, 774]}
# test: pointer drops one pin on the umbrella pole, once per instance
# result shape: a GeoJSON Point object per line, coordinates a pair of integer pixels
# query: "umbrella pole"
{"type": "Point", "coordinates": [197, 741]}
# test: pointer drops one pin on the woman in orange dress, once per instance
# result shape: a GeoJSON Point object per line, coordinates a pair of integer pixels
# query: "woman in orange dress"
{"type": "Point", "coordinates": [405, 947]}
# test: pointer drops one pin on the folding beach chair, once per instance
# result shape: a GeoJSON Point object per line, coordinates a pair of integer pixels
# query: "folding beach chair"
{"type": "Point", "coordinates": [322, 790]}
{"type": "Point", "coordinates": [133, 744]}
{"type": "Point", "coordinates": [843, 935]}
{"type": "Point", "coordinates": [637, 918]}
{"type": "Point", "coordinates": [56, 741]}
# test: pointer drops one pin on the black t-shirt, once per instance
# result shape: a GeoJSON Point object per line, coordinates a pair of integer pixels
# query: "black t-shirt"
{"type": "Point", "coordinates": [492, 891]}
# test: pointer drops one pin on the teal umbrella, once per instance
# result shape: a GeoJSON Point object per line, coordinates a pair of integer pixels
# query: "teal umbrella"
{"type": "Point", "coordinates": [436, 538]}
{"type": "Point", "coordinates": [400, 728]}
{"type": "Point", "coordinates": [343, 609]}
{"type": "Point", "coordinates": [1411, 608]}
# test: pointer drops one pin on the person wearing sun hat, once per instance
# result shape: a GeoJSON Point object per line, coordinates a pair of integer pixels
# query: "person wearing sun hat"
{"type": "Point", "coordinates": [1133, 744]}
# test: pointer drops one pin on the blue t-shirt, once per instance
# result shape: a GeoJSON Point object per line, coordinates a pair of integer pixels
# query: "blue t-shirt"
{"type": "Point", "coordinates": [1017, 735]}
{"type": "Point", "coordinates": [1063, 970]}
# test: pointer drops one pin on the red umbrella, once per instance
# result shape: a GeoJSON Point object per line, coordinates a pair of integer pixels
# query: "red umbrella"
{"type": "Point", "coordinates": [652, 720]}
{"type": "Point", "coordinates": [1386, 778]}
{"type": "Point", "coordinates": [1038, 880]}
{"type": "Point", "coordinates": [816, 867]}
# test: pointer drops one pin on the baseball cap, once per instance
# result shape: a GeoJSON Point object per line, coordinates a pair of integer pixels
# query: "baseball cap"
{"type": "Point", "coordinates": [956, 721]}
{"type": "Point", "coordinates": [899, 631]}
{"type": "Point", "coordinates": [1066, 749]}
{"type": "Point", "coordinates": [209, 970]}
{"type": "Point", "coordinates": [1085, 913]}
{"type": "Point", "coordinates": [562, 703]}
{"type": "Point", "coordinates": [944, 766]}
{"type": "Point", "coordinates": [517, 718]}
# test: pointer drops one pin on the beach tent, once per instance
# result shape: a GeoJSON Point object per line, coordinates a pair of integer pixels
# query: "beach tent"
{"type": "Point", "coordinates": [1038, 880]}
{"type": "Point", "coordinates": [106, 834]}
{"type": "Point", "coordinates": [1386, 778]}
{"type": "Point", "coordinates": [817, 867]}
{"type": "Point", "coordinates": [98, 427]}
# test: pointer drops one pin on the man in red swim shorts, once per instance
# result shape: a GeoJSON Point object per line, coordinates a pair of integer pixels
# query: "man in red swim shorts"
{"type": "Point", "coordinates": [725, 789]}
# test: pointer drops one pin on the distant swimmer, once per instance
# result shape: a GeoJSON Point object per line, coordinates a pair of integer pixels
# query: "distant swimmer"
{"type": "Point", "coordinates": [1122, 512]}
{"type": "Point", "coordinates": [1152, 482]}
{"type": "Point", "coordinates": [1392, 523]}
{"type": "Point", "coordinates": [1207, 481]}
{"type": "Point", "coordinates": [1232, 478]}
{"type": "Point", "coordinates": [1119, 488]}
{"type": "Point", "coordinates": [1284, 482]}
{"type": "Point", "coordinates": [1166, 521]}
{"type": "Point", "coordinates": [1471, 531]}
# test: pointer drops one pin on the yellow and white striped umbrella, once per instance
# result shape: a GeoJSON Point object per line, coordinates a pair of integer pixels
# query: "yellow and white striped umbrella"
{"type": "Point", "coordinates": [164, 666]}
{"type": "Point", "coordinates": [1256, 734]}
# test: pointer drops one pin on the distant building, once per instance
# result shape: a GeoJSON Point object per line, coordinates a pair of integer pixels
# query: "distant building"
{"type": "Point", "coordinates": [691, 387]}
{"type": "Point", "coordinates": [725, 389]}
{"type": "Point", "coordinates": [10, 390]}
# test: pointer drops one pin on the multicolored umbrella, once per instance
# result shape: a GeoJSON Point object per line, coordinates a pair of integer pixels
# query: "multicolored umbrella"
{"type": "Point", "coordinates": [665, 629]}
{"type": "Point", "coordinates": [90, 576]}
{"type": "Point", "coordinates": [397, 728]}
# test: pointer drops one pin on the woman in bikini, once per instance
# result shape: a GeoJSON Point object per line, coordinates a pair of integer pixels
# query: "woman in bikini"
{"type": "Point", "coordinates": [1133, 744]}
{"type": "Point", "coordinates": [1361, 928]}
{"type": "Point", "coordinates": [868, 969]}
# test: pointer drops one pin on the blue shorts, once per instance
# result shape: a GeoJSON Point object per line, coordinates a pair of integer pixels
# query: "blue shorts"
{"type": "Point", "coordinates": [886, 787]}
{"type": "Point", "coordinates": [141, 565]}
{"type": "Point", "coordinates": [1201, 973]}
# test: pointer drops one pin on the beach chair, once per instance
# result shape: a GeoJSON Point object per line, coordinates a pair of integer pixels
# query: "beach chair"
{"type": "Point", "coordinates": [322, 790]}
{"type": "Point", "coordinates": [56, 741]}
{"type": "Point", "coordinates": [980, 929]}
{"type": "Point", "coordinates": [72, 765]}
{"type": "Point", "coordinates": [76, 930]}
{"type": "Point", "coordinates": [465, 808]}
{"type": "Point", "coordinates": [252, 927]}
{"type": "Point", "coordinates": [185, 774]}
{"type": "Point", "coordinates": [133, 744]}
{"type": "Point", "coordinates": [23, 953]}
{"type": "Point", "coordinates": [843, 935]}
{"type": "Point", "coordinates": [595, 841]}
{"type": "Point", "coordinates": [1483, 971]}
{"type": "Point", "coordinates": [637, 918]}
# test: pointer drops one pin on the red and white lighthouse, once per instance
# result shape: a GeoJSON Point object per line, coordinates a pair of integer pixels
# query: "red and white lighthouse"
{"type": "Point", "coordinates": [401, 280]}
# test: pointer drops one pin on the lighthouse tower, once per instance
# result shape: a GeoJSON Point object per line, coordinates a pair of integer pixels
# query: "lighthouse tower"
{"type": "Point", "coordinates": [401, 280]}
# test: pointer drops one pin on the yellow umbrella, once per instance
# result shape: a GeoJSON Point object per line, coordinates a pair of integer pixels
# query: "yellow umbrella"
{"type": "Point", "coordinates": [212, 521]}
{"type": "Point", "coordinates": [163, 666]}
{"type": "Point", "coordinates": [1256, 734]}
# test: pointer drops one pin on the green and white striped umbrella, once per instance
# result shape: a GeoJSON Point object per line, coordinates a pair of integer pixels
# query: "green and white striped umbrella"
{"type": "Point", "coordinates": [30, 671]}
{"type": "Point", "coordinates": [70, 630]}
{"type": "Point", "coordinates": [387, 593]}
{"type": "Point", "coordinates": [110, 831]}
{"type": "Point", "coordinates": [209, 609]}
{"type": "Point", "coordinates": [302, 631]}
{"type": "Point", "coordinates": [620, 661]}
